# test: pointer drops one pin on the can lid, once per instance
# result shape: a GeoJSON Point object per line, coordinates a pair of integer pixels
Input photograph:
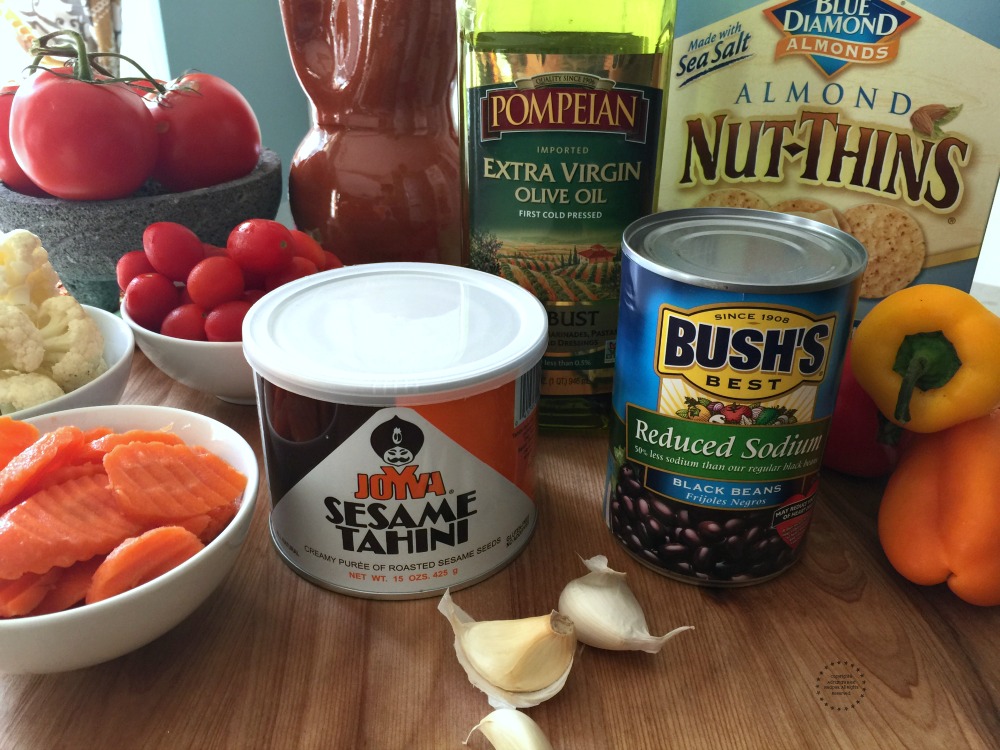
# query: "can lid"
{"type": "Point", "coordinates": [745, 250]}
{"type": "Point", "coordinates": [379, 333]}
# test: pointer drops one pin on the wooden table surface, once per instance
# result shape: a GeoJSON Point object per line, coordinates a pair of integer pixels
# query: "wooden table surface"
{"type": "Point", "coordinates": [838, 652]}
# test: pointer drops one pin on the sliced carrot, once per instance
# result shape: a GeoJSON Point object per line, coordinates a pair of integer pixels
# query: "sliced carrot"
{"type": "Point", "coordinates": [49, 451]}
{"type": "Point", "coordinates": [61, 525]}
{"type": "Point", "coordinates": [209, 525]}
{"type": "Point", "coordinates": [141, 559]}
{"type": "Point", "coordinates": [23, 594]}
{"type": "Point", "coordinates": [70, 589]}
{"type": "Point", "coordinates": [15, 436]}
{"type": "Point", "coordinates": [61, 474]}
{"type": "Point", "coordinates": [156, 483]}
{"type": "Point", "coordinates": [93, 433]}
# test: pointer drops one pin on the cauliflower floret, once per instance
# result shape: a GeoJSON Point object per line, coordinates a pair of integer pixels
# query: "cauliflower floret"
{"type": "Point", "coordinates": [22, 390]}
{"type": "Point", "coordinates": [21, 345]}
{"type": "Point", "coordinates": [74, 345]}
{"type": "Point", "coordinates": [26, 275]}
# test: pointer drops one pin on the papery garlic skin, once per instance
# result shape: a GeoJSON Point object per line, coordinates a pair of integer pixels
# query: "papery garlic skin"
{"type": "Point", "coordinates": [517, 663]}
{"type": "Point", "coordinates": [606, 613]}
{"type": "Point", "coordinates": [510, 729]}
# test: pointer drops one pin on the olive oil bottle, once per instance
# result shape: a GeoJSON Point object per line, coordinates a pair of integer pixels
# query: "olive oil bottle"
{"type": "Point", "coordinates": [561, 106]}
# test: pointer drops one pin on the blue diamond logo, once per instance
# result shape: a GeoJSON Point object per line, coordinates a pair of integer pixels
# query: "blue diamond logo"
{"type": "Point", "coordinates": [834, 34]}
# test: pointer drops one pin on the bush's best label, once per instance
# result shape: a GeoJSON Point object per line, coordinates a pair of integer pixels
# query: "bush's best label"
{"type": "Point", "coordinates": [743, 352]}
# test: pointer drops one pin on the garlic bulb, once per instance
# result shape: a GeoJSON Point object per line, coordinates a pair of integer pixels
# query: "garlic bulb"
{"type": "Point", "coordinates": [606, 613]}
{"type": "Point", "coordinates": [517, 663]}
{"type": "Point", "coordinates": [510, 729]}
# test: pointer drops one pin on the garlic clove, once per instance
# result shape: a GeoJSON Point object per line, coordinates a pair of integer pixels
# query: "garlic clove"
{"type": "Point", "coordinates": [606, 613]}
{"type": "Point", "coordinates": [520, 655]}
{"type": "Point", "coordinates": [510, 729]}
{"type": "Point", "coordinates": [517, 663]}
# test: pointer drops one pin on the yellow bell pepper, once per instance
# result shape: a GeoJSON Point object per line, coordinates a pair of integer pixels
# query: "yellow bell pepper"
{"type": "Point", "coordinates": [939, 520]}
{"type": "Point", "coordinates": [929, 356]}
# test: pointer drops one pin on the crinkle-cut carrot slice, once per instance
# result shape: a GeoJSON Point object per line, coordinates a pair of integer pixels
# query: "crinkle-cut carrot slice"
{"type": "Point", "coordinates": [71, 587]}
{"type": "Point", "coordinates": [159, 484]}
{"type": "Point", "coordinates": [61, 525]}
{"type": "Point", "coordinates": [104, 440]}
{"type": "Point", "coordinates": [141, 559]}
{"type": "Point", "coordinates": [15, 436]}
{"type": "Point", "coordinates": [93, 433]}
{"type": "Point", "coordinates": [108, 442]}
{"type": "Point", "coordinates": [49, 451]}
{"type": "Point", "coordinates": [207, 526]}
{"type": "Point", "coordinates": [61, 474]}
{"type": "Point", "coordinates": [23, 594]}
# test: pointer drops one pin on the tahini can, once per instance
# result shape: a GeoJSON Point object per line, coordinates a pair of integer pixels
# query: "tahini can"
{"type": "Point", "coordinates": [398, 409]}
{"type": "Point", "coordinates": [732, 330]}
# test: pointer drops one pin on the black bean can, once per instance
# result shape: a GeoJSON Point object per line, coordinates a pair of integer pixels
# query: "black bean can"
{"type": "Point", "coordinates": [733, 324]}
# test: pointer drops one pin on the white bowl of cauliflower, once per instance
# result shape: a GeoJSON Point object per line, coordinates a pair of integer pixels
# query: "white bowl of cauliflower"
{"type": "Point", "coordinates": [55, 353]}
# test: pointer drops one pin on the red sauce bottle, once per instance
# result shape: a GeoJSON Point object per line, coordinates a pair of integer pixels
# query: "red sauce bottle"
{"type": "Point", "coordinates": [376, 177]}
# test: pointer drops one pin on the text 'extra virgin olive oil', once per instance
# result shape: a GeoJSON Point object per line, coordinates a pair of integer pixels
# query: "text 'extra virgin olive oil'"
{"type": "Point", "coordinates": [562, 105]}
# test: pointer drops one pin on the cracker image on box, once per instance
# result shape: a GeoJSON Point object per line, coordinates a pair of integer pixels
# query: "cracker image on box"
{"type": "Point", "coordinates": [875, 117]}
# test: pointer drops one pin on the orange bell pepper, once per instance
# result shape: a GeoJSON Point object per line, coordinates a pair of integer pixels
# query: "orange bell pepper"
{"type": "Point", "coordinates": [929, 356]}
{"type": "Point", "coordinates": [939, 520]}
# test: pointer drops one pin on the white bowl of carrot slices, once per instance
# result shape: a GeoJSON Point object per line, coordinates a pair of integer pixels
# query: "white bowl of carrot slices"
{"type": "Point", "coordinates": [116, 523]}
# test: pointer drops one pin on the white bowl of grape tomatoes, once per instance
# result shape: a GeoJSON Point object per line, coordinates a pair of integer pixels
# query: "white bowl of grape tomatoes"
{"type": "Point", "coordinates": [185, 300]}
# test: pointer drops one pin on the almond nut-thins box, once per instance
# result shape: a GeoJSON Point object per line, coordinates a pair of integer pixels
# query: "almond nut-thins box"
{"type": "Point", "coordinates": [881, 118]}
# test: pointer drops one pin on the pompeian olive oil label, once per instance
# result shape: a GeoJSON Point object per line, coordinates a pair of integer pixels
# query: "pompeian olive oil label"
{"type": "Point", "coordinates": [561, 156]}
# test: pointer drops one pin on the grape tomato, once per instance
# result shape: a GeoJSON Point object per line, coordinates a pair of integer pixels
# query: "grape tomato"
{"type": "Point", "coordinates": [130, 265]}
{"type": "Point", "coordinates": [261, 246]}
{"type": "Point", "coordinates": [186, 321]}
{"type": "Point", "coordinates": [215, 280]}
{"type": "Point", "coordinates": [172, 249]}
{"type": "Point", "coordinates": [225, 322]}
{"type": "Point", "coordinates": [148, 299]}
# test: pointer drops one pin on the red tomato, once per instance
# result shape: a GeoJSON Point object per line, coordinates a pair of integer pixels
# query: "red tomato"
{"type": "Point", "coordinates": [172, 248]}
{"type": "Point", "coordinates": [130, 265]}
{"type": "Point", "coordinates": [261, 246]}
{"type": "Point", "coordinates": [306, 247]}
{"type": "Point", "coordinates": [296, 269]}
{"type": "Point", "coordinates": [148, 299]}
{"type": "Point", "coordinates": [215, 280]}
{"type": "Point", "coordinates": [185, 322]}
{"type": "Point", "coordinates": [80, 140]}
{"type": "Point", "coordinates": [11, 173]}
{"type": "Point", "coordinates": [332, 261]}
{"type": "Point", "coordinates": [208, 133]}
{"type": "Point", "coordinates": [225, 322]}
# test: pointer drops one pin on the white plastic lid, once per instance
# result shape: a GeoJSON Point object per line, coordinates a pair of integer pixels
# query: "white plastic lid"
{"type": "Point", "coordinates": [381, 333]}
